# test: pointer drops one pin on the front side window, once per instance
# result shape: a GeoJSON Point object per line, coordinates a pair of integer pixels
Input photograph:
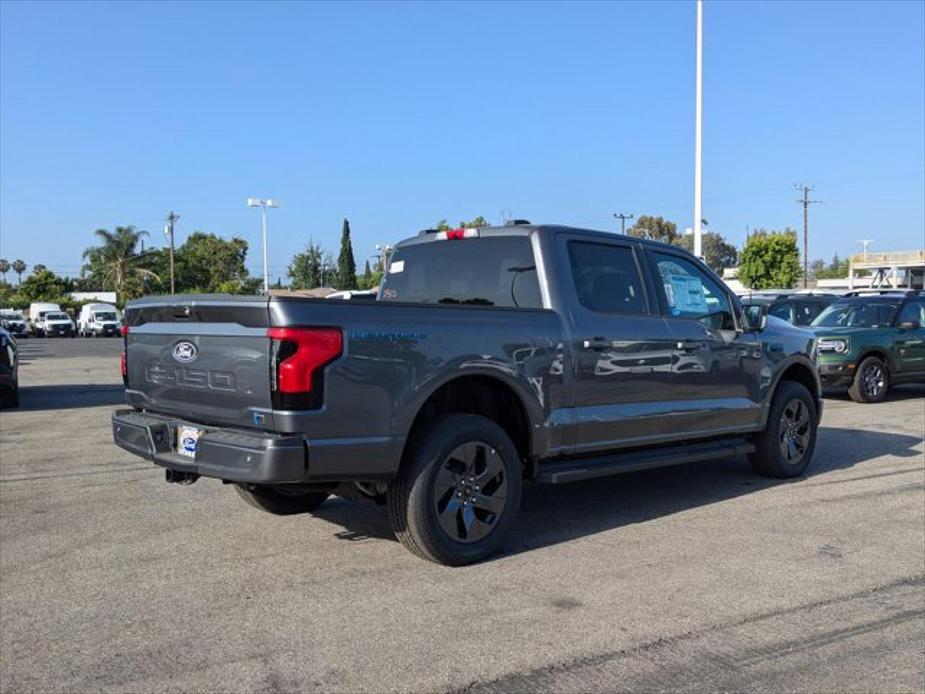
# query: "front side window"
{"type": "Point", "coordinates": [693, 294]}
{"type": "Point", "coordinates": [606, 277]}
{"type": "Point", "coordinates": [867, 314]}
{"type": "Point", "coordinates": [781, 311]}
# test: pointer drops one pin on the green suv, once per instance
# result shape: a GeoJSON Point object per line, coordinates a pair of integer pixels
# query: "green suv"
{"type": "Point", "coordinates": [869, 341]}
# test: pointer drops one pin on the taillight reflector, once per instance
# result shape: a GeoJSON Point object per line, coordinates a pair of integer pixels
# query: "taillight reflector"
{"type": "Point", "coordinates": [299, 356]}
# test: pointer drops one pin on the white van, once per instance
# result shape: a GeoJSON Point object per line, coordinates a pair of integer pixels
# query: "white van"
{"type": "Point", "coordinates": [37, 311]}
{"type": "Point", "coordinates": [98, 319]}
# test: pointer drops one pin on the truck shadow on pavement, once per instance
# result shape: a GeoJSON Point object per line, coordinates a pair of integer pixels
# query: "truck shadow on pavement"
{"type": "Point", "coordinates": [67, 397]}
{"type": "Point", "coordinates": [555, 514]}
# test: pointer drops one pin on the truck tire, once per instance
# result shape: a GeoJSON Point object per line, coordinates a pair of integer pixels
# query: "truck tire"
{"type": "Point", "coordinates": [871, 381]}
{"type": "Point", "coordinates": [9, 397]}
{"type": "Point", "coordinates": [785, 447]}
{"type": "Point", "coordinates": [279, 501]}
{"type": "Point", "coordinates": [458, 490]}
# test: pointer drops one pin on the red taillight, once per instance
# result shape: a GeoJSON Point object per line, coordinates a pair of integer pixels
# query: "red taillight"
{"type": "Point", "coordinates": [123, 331]}
{"type": "Point", "coordinates": [298, 356]}
{"type": "Point", "coordinates": [458, 234]}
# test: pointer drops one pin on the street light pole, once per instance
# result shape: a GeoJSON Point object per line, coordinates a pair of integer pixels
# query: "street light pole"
{"type": "Point", "coordinates": [623, 217]}
{"type": "Point", "coordinates": [264, 204]}
{"type": "Point", "coordinates": [171, 218]}
{"type": "Point", "coordinates": [698, 139]}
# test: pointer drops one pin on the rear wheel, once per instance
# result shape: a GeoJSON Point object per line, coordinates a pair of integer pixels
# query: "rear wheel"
{"type": "Point", "coordinates": [458, 491]}
{"type": "Point", "coordinates": [280, 501]}
{"type": "Point", "coordinates": [871, 382]}
{"type": "Point", "coordinates": [785, 447]}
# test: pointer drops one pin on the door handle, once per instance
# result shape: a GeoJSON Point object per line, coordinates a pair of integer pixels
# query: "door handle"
{"type": "Point", "coordinates": [690, 345]}
{"type": "Point", "coordinates": [597, 343]}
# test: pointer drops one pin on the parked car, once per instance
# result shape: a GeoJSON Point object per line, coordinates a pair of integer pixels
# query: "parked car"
{"type": "Point", "coordinates": [14, 322]}
{"type": "Point", "coordinates": [798, 309]}
{"type": "Point", "coordinates": [37, 311]}
{"type": "Point", "coordinates": [869, 341]}
{"type": "Point", "coordinates": [493, 355]}
{"type": "Point", "coordinates": [96, 320]}
{"type": "Point", "coordinates": [58, 324]}
{"type": "Point", "coordinates": [9, 370]}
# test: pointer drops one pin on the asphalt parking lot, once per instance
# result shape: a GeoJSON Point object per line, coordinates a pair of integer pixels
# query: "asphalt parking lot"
{"type": "Point", "coordinates": [692, 578]}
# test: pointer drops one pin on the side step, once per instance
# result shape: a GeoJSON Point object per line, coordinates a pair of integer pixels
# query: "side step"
{"type": "Point", "coordinates": [574, 470]}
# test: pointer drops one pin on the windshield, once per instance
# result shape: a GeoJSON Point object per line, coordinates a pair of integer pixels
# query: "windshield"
{"type": "Point", "coordinates": [868, 314]}
{"type": "Point", "coordinates": [496, 271]}
{"type": "Point", "coordinates": [105, 316]}
{"type": "Point", "coordinates": [56, 316]}
{"type": "Point", "coordinates": [11, 315]}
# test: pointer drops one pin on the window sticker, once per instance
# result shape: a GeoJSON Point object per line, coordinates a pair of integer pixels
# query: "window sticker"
{"type": "Point", "coordinates": [687, 294]}
{"type": "Point", "coordinates": [396, 266]}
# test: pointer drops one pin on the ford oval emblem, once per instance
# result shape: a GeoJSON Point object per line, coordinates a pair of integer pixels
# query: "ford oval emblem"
{"type": "Point", "coordinates": [184, 352]}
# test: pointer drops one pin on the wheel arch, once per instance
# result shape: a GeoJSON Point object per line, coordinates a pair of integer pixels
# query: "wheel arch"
{"type": "Point", "coordinates": [803, 371]}
{"type": "Point", "coordinates": [481, 394]}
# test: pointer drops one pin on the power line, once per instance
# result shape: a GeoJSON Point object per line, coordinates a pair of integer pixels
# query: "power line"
{"type": "Point", "coordinates": [806, 202]}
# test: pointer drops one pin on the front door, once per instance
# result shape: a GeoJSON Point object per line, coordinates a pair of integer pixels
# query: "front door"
{"type": "Point", "coordinates": [716, 367]}
{"type": "Point", "coordinates": [909, 341]}
{"type": "Point", "coordinates": [622, 347]}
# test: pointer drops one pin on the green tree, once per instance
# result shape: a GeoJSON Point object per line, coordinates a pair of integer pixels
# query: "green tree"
{"type": "Point", "coordinates": [837, 269]}
{"type": "Point", "coordinates": [371, 282]}
{"type": "Point", "coordinates": [42, 285]}
{"type": "Point", "coordinates": [770, 260]}
{"type": "Point", "coordinates": [115, 263]}
{"type": "Point", "coordinates": [208, 263]}
{"type": "Point", "coordinates": [346, 265]}
{"type": "Point", "coordinates": [717, 252]}
{"type": "Point", "coordinates": [19, 267]}
{"type": "Point", "coordinates": [367, 272]}
{"type": "Point", "coordinates": [305, 268]}
{"type": "Point", "coordinates": [476, 223]}
{"type": "Point", "coordinates": [4, 267]}
{"type": "Point", "coordinates": [655, 228]}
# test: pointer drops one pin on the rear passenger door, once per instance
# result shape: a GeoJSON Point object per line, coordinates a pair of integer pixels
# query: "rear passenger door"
{"type": "Point", "coordinates": [717, 365]}
{"type": "Point", "coordinates": [622, 347]}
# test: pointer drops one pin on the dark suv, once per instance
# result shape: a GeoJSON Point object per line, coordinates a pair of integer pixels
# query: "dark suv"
{"type": "Point", "coordinates": [798, 309]}
{"type": "Point", "coordinates": [868, 341]}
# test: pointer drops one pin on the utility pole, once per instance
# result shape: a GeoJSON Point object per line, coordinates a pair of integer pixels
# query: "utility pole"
{"type": "Point", "coordinates": [622, 217]}
{"type": "Point", "coordinates": [171, 218]}
{"type": "Point", "coordinates": [805, 202]}
{"type": "Point", "coordinates": [865, 243]}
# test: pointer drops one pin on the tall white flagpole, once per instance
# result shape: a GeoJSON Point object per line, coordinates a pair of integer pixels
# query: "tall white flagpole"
{"type": "Point", "coordinates": [698, 138]}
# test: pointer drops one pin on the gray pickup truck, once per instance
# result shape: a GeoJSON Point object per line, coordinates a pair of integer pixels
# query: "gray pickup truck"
{"type": "Point", "coordinates": [491, 356]}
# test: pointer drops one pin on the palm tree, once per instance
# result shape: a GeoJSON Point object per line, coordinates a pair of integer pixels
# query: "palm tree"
{"type": "Point", "coordinates": [19, 267]}
{"type": "Point", "coordinates": [4, 267]}
{"type": "Point", "coordinates": [115, 258]}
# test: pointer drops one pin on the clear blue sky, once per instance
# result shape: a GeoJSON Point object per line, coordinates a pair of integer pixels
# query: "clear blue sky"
{"type": "Point", "coordinates": [396, 115]}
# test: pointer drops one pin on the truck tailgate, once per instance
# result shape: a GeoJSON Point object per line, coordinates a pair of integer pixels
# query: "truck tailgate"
{"type": "Point", "coordinates": [204, 359]}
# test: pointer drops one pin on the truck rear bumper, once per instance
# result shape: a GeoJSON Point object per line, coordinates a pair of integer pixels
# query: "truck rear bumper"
{"type": "Point", "coordinates": [257, 457]}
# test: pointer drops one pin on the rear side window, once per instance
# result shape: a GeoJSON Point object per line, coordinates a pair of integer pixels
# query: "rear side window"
{"type": "Point", "coordinates": [606, 277]}
{"type": "Point", "coordinates": [496, 271]}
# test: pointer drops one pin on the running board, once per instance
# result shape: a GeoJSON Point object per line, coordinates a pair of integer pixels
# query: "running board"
{"type": "Point", "coordinates": [575, 470]}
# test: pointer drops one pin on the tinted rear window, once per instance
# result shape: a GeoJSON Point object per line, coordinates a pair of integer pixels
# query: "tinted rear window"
{"type": "Point", "coordinates": [487, 271]}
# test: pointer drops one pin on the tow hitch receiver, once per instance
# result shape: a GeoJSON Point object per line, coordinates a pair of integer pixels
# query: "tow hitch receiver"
{"type": "Point", "coordinates": [177, 477]}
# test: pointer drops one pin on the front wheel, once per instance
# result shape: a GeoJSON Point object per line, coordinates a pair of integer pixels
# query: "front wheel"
{"type": "Point", "coordinates": [871, 382]}
{"type": "Point", "coordinates": [458, 491]}
{"type": "Point", "coordinates": [785, 447]}
{"type": "Point", "coordinates": [280, 501]}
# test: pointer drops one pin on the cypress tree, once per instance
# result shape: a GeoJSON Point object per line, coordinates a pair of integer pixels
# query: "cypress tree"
{"type": "Point", "coordinates": [346, 266]}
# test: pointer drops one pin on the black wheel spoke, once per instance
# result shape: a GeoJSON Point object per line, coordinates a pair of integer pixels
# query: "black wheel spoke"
{"type": "Point", "coordinates": [470, 491]}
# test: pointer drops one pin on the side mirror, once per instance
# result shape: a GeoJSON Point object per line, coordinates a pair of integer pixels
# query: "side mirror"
{"type": "Point", "coordinates": [909, 325]}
